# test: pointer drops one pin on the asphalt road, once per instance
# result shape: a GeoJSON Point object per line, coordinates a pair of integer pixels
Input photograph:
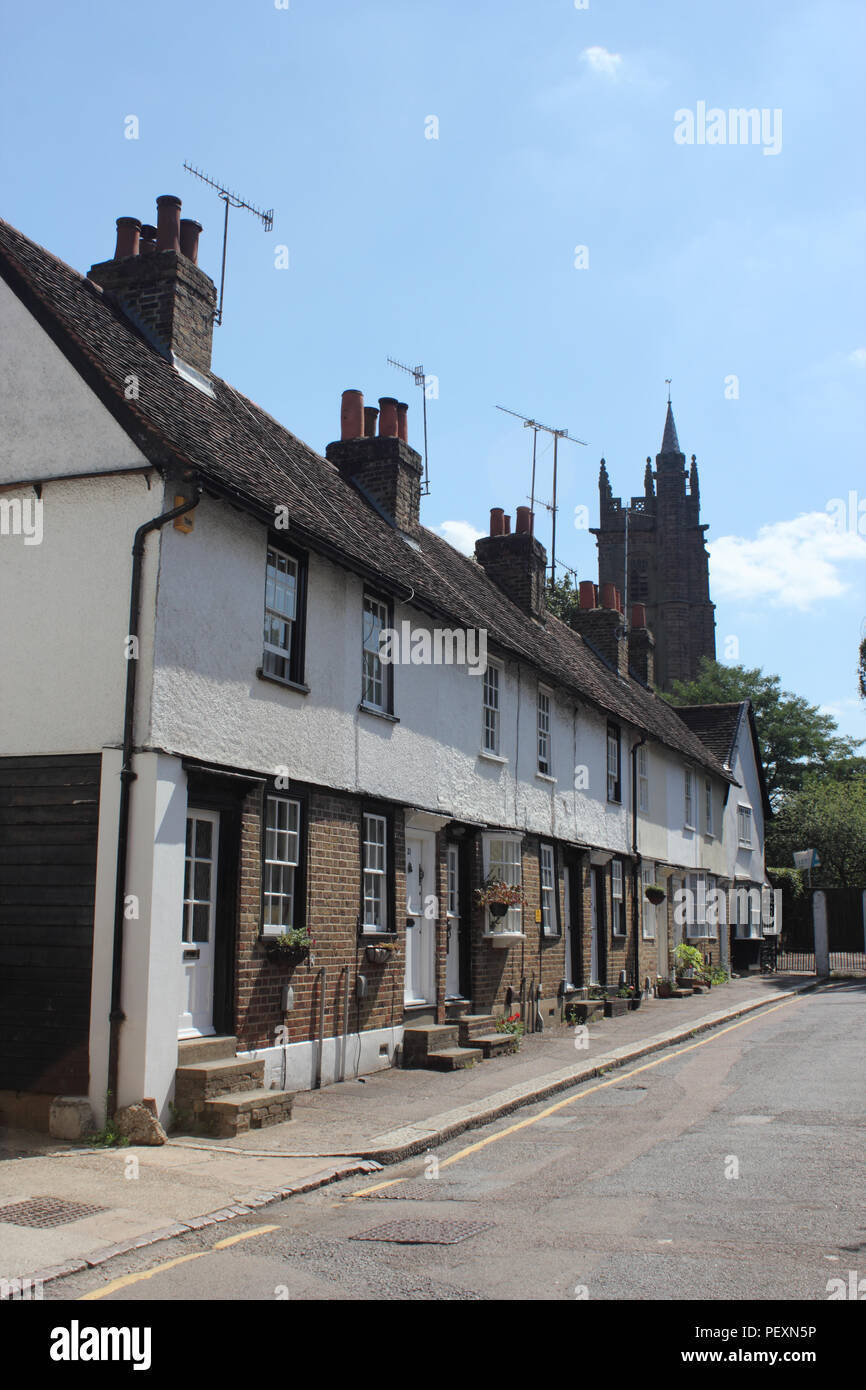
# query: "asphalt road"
{"type": "Point", "coordinates": [728, 1168]}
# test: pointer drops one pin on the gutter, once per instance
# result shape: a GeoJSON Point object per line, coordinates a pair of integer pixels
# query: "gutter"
{"type": "Point", "coordinates": [116, 1015]}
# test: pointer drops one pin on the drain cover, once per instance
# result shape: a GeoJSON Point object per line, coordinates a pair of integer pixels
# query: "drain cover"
{"type": "Point", "coordinates": [425, 1232]}
{"type": "Point", "coordinates": [46, 1211]}
{"type": "Point", "coordinates": [426, 1191]}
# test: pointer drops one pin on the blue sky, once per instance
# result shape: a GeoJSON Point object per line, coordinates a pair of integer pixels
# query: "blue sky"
{"type": "Point", "coordinates": [555, 130]}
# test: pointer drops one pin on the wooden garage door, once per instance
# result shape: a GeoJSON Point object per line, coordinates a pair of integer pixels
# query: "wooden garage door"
{"type": "Point", "coordinates": [49, 809]}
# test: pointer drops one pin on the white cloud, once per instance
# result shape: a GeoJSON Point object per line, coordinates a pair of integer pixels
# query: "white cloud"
{"type": "Point", "coordinates": [461, 534]}
{"type": "Point", "coordinates": [858, 357]}
{"type": "Point", "coordinates": [790, 564]}
{"type": "Point", "coordinates": [600, 60]}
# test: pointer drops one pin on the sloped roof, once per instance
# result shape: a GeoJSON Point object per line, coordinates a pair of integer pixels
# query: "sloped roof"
{"type": "Point", "coordinates": [718, 726]}
{"type": "Point", "coordinates": [670, 443]}
{"type": "Point", "coordinates": [242, 453]}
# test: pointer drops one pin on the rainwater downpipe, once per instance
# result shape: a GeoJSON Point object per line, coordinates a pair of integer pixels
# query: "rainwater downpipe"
{"type": "Point", "coordinates": [116, 1016]}
{"type": "Point", "coordinates": [636, 860]}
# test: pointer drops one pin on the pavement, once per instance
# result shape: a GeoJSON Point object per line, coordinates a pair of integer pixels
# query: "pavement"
{"type": "Point", "coordinates": [137, 1196]}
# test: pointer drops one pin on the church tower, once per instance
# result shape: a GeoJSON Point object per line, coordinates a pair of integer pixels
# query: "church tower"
{"type": "Point", "coordinates": [667, 559]}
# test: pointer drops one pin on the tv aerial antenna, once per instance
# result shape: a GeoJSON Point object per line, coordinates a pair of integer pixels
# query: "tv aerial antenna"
{"type": "Point", "coordinates": [420, 380]}
{"type": "Point", "coordinates": [535, 425]}
{"type": "Point", "coordinates": [231, 200]}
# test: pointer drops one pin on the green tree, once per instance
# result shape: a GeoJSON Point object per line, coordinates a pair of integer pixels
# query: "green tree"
{"type": "Point", "coordinates": [861, 669]}
{"type": "Point", "coordinates": [563, 598]}
{"type": "Point", "coordinates": [828, 816]}
{"type": "Point", "coordinates": [796, 738]}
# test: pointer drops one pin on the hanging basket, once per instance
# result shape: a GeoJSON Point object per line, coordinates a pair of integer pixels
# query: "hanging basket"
{"type": "Point", "coordinates": [655, 894]}
{"type": "Point", "coordinates": [497, 910]}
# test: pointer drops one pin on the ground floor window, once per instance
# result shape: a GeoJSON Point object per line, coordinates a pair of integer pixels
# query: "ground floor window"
{"type": "Point", "coordinates": [282, 908]}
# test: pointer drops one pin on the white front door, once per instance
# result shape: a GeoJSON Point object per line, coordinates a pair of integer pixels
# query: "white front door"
{"type": "Point", "coordinates": [421, 916]}
{"type": "Point", "coordinates": [452, 909]}
{"type": "Point", "coordinates": [199, 923]}
{"type": "Point", "coordinates": [593, 928]}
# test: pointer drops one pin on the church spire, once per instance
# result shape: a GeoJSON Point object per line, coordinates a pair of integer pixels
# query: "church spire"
{"type": "Point", "coordinates": [670, 443]}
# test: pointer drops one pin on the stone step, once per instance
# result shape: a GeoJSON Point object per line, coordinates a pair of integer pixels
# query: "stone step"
{"type": "Point", "coordinates": [232, 1115]}
{"type": "Point", "coordinates": [420, 1041]}
{"type": "Point", "coordinates": [496, 1044]}
{"type": "Point", "coordinates": [221, 1076]}
{"type": "Point", "coordinates": [681, 993]}
{"type": "Point", "coordinates": [453, 1058]}
{"type": "Point", "coordinates": [470, 1025]}
{"type": "Point", "coordinates": [191, 1050]}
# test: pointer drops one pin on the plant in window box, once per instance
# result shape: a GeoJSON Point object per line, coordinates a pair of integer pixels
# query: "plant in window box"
{"type": "Point", "coordinates": [655, 893]}
{"type": "Point", "coordinates": [381, 952]}
{"type": "Point", "coordinates": [498, 896]}
{"type": "Point", "coordinates": [632, 994]}
{"type": "Point", "coordinates": [290, 946]}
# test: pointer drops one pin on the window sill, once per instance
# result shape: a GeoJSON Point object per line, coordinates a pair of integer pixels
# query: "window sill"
{"type": "Point", "coordinates": [690, 828]}
{"type": "Point", "coordinates": [264, 675]}
{"type": "Point", "coordinates": [379, 713]}
{"type": "Point", "coordinates": [374, 933]}
{"type": "Point", "coordinates": [545, 777]}
{"type": "Point", "coordinates": [491, 757]}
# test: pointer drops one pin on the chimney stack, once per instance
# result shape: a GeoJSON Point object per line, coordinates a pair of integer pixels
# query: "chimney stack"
{"type": "Point", "coordinates": [641, 646]}
{"type": "Point", "coordinates": [383, 466]}
{"type": "Point", "coordinates": [516, 563]}
{"type": "Point", "coordinates": [601, 624]}
{"type": "Point", "coordinates": [155, 278]}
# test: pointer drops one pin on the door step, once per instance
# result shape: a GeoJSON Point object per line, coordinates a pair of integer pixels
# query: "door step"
{"type": "Point", "coordinates": [221, 1094]}
{"type": "Point", "coordinates": [205, 1049]}
{"type": "Point", "coordinates": [470, 1025]}
{"type": "Point", "coordinates": [495, 1044]}
{"type": "Point", "coordinates": [453, 1058]}
{"type": "Point", "coordinates": [232, 1115]}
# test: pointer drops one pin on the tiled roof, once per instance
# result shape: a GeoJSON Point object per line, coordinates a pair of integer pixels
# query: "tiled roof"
{"type": "Point", "coordinates": [715, 725]}
{"type": "Point", "coordinates": [240, 451]}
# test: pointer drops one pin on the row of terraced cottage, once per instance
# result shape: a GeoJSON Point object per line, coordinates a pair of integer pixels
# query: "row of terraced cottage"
{"type": "Point", "coordinates": [205, 746]}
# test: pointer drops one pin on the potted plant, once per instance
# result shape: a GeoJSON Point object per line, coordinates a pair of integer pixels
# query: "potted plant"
{"type": "Point", "coordinates": [514, 1025]}
{"type": "Point", "coordinates": [663, 988]}
{"type": "Point", "coordinates": [497, 897]}
{"type": "Point", "coordinates": [655, 893]}
{"type": "Point", "coordinates": [689, 962]}
{"type": "Point", "coordinates": [289, 947]}
{"type": "Point", "coordinates": [632, 994]}
{"type": "Point", "coordinates": [381, 952]}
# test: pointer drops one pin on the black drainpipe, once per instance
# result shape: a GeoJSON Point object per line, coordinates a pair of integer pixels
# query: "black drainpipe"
{"type": "Point", "coordinates": [636, 860]}
{"type": "Point", "coordinates": [116, 1015]}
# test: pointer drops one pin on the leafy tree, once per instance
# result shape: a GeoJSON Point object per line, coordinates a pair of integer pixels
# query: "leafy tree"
{"type": "Point", "coordinates": [862, 668]}
{"type": "Point", "coordinates": [828, 816]}
{"type": "Point", "coordinates": [563, 598]}
{"type": "Point", "coordinates": [795, 737]}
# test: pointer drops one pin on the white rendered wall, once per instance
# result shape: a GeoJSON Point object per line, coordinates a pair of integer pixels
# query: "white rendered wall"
{"type": "Point", "coordinates": [50, 421]}
{"type": "Point", "coordinates": [64, 617]}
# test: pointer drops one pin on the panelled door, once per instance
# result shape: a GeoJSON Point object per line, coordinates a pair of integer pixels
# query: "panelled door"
{"type": "Point", "coordinates": [198, 944]}
{"type": "Point", "coordinates": [421, 917]}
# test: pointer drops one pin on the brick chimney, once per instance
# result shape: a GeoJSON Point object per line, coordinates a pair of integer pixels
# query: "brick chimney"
{"type": "Point", "coordinates": [601, 623]}
{"type": "Point", "coordinates": [641, 646]}
{"type": "Point", "coordinates": [155, 278]}
{"type": "Point", "coordinates": [516, 563]}
{"type": "Point", "coordinates": [384, 466]}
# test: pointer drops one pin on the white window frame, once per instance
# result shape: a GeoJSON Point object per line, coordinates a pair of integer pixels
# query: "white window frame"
{"type": "Point", "coordinates": [491, 710]}
{"type": "Point", "coordinates": [547, 878]}
{"type": "Point", "coordinates": [695, 925]}
{"type": "Point", "coordinates": [744, 817]}
{"type": "Point", "coordinates": [614, 754]}
{"type": "Point", "coordinates": [507, 863]}
{"type": "Point", "coordinates": [374, 872]}
{"type": "Point", "coordinates": [280, 863]}
{"type": "Point", "coordinates": [543, 732]}
{"type": "Point", "coordinates": [708, 806]}
{"type": "Point", "coordinates": [643, 785]}
{"type": "Point", "coordinates": [373, 673]}
{"type": "Point", "coordinates": [618, 923]}
{"type": "Point", "coordinates": [688, 798]}
{"type": "Point", "coordinates": [191, 859]}
{"type": "Point", "coordinates": [649, 923]}
{"type": "Point", "coordinates": [452, 899]}
{"type": "Point", "coordinates": [277, 656]}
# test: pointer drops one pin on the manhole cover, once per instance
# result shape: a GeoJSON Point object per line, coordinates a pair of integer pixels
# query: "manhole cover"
{"type": "Point", "coordinates": [426, 1191]}
{"type": "Point", "coordinates": [425, 1232]}
{"type": "Point", "coordinates": [46, 1211]}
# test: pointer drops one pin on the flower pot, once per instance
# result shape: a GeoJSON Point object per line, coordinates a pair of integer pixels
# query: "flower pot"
{"type": "Point", "coordinates": [287, 955]}
{"type": "Point", "coordinates": [615, 1008]}
{"type": "Point", "coordinates": [379, 955]}
{"type": "Point", "coordinates": [655, 896]}
{"type": "Point", "coordinates": [497, 910]}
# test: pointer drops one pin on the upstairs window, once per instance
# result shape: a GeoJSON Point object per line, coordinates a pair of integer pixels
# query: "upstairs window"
{"type": "Point", "coordinates": [643, 795]}
{"type": "Point", "coordinates": [613, 763]}
{"type": "Point", "coordinates": [285, 579]}
{"type": "Point", "coordinates": [689, 799]}
{"type": "Point", "coordinates": [549, 915]}
{"type": "Point", "coordinates": [543, 723]}
{"type": "Point", "coordinates": [490, 697]}
{"type": "Point", "coordinates": [377, 686]}
{"type": "Point", "coordinates": [744, 826]}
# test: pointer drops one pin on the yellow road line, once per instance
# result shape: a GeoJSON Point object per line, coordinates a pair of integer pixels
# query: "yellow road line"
{"type": "Point", "coordinates": [126, 1280]}
{"type": "Point", "coordinates": [580, 1094]}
